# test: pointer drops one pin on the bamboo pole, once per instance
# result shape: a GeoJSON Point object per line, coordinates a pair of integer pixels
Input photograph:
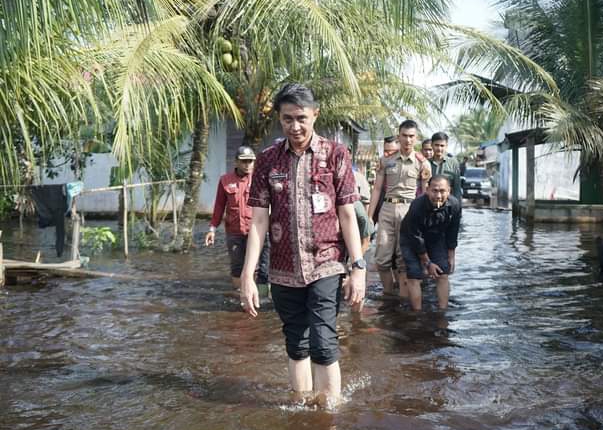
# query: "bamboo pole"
{"type": "Point", "coordinates": [1, 263]}
{"type": "Point", "coordinates": [125, 197]}
{"type": "Point", "coordinates": [174, 209]}
{"type": "Point", "coordinates": [116, 187]}
{"type": "Point", "coordinates": [75, 231]}
{"type": "Point", "coordinates": [120, 187]}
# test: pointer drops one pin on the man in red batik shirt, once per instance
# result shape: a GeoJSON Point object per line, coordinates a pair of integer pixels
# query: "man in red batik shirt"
{"type": "Point", "coordinates": [304, 191]}
{"type": "Point", "coordinates": [232, 196]}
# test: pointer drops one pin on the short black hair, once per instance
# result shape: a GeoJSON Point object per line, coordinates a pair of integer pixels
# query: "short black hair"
{"type": "Point", "coordinates": [389, 139]}
{"type": "Point", "coordinates": [440, 135]}
{"type": "Point", "coordinates": [409, 123]}
{"type": "Point", "coordinates": [437, 178]}
{"type": "Point", "coordinates": [425, 142]}
{"type": "Point", "coordinates": [296, 94]}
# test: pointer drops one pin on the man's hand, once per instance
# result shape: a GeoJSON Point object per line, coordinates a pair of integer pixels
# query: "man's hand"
{"type": "Point", "coordinates": [250, 298]}
{"type": "Point", "coordinates": [434, 271]}
{"type": "Point", "coordinates": [209, 238]}
{"type": "Point", "coordinates": [354, 287]}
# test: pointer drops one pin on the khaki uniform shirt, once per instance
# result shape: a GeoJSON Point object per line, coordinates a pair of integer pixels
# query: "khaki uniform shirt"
{"type": "Point", "coordinates": [402, 174]}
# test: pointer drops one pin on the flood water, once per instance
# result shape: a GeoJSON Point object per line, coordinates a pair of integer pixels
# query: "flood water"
{"type": "Point", "coordinates": [521, 346]}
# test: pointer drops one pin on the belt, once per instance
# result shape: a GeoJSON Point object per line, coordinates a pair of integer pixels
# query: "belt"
{"type": "Point", "coordinates": [397, 200]}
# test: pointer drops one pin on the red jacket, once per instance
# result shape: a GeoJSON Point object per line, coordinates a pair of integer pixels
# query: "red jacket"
{"type": "Point", "coordinates": [232, 195]}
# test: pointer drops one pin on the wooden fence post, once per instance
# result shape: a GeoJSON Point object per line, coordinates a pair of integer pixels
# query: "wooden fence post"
{"type": "Point", "coordinates": [174, 209]}
{"type": "Point", "coordinates": [125, 197]}
{"type": "Point", "coordinates": [75, 232]}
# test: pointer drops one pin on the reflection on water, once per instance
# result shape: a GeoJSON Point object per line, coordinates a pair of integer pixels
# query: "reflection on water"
{"type": "Point", "coordinates": [520, 346]}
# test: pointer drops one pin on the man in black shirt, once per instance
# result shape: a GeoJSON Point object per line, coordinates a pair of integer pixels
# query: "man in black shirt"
{"type": "Point", "coordinates": [428, 239]}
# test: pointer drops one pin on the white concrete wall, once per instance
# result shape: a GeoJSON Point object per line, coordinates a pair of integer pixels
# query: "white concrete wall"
{"type": "Point", "coordinates": [98, 172]}
{"type": "Point", "coordinates": [553, 176]}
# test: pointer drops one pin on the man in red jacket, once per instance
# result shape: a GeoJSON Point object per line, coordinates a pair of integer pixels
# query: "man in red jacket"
{"type": "Point", "coordinates": [232, 196]}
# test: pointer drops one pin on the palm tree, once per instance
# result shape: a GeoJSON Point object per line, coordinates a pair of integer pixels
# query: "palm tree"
{"type": "Point", "coordinates": [352, 53]}
{"type": "Point", "coordinates": [128, 55]}
{"type": "Point", "coordinates": [158, 66]}
{"type": "Point", "coordinates": [566, 38]}
{"type": "Point", "coordinates": [476, 127]}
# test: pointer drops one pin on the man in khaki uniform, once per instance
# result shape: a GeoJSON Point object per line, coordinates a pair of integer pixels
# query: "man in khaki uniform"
{"type": "Point", "coordinates": [402, 171]}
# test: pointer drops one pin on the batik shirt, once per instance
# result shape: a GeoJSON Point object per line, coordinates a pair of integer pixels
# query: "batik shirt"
{"type": "Point", "coordinates": [303, 193]}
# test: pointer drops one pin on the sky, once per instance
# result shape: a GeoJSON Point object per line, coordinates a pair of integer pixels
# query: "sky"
{"type": "Point", "coordinates": [479, 14]}
{"type": "Point", "coordinates": [475, 13]}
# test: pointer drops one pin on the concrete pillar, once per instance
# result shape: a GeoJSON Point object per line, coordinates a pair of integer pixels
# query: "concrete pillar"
{"type": "Point", "coordinates": [530, 179]}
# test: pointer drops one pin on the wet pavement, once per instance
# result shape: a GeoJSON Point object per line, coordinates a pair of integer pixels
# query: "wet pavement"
{"type": "Point", "coordinates": [521, 346]}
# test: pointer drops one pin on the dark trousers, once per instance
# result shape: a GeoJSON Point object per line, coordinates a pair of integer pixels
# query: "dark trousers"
{"type": "Point", "coordinates": [237, 245]}
{"type": "Point", "coordinates": [309, 317]}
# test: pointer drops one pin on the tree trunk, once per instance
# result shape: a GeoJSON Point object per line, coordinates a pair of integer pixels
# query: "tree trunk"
{"type": "Point", "coordinates": [256, 131]}
{"type": "Point", "coordinates": [252, 139]}
{"type": "Point", "coordinates": [200, 142]}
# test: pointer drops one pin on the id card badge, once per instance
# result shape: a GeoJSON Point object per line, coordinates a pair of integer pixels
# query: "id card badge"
{"type": "Point", "coordinates": [319, 203]}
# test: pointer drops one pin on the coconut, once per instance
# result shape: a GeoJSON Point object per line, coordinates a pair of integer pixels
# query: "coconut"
{"type": "Point", "coordinates": [226, 59]}
{"type": "Point", "coordinates": [225, 45]}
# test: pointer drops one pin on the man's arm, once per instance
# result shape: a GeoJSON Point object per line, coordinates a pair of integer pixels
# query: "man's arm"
{"type": "Point", "coordinates": [364, 226]}
{"type": "Point", "coordinates": [452, 232]}
{"type": "Point", "coordinates": [375, 194]}
{"type": "Point", "coordinates": [458, 189]}
{"type": "Point", "coordinates": [349, 228]}
{"type": "Point", "coordinates": [412, 224]}
{"type": "Point", "coordinates": [219, 206]}
{"type": "Point", "coordinates": [255, 240]}
{"type": "Point", "coordinates": [363, 189]}
{"type": "Point", "coordinates": [425, 175]}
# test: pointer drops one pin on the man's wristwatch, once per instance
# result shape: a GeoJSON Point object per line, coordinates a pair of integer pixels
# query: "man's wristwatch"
{"type": "Point", "coordinates": [359, 264]}
{"type": "Point", "coordinates": [212, 229]}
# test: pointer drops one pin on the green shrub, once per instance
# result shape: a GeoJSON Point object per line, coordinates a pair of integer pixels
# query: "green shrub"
{"type": "Point", "coordinates": [96, 239]}
{"type": "Point", "coordinates": [7, 205]}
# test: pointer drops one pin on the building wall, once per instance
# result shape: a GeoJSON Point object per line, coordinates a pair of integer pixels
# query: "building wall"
{"type": "Point", "coordinates": [553, 176]}
{"type": "Point", "coordinates": [98, 172]}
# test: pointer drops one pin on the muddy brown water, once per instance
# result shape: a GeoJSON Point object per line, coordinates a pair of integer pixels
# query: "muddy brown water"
{"type": "Point", "coordinates": [521, 346]}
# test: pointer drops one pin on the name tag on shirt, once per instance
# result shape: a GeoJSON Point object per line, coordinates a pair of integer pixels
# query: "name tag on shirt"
{"type": "Point", "coordinates": [319, 203]}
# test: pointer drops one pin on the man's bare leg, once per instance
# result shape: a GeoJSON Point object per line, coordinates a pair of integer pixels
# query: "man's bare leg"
{"type": "Point", "coordinates": [300, 377]}
{"type": "Point", "coordinates": [328, 384]}
{"type": "Point", "coordinates": [442, 289]}
{"type": "Point", "coordinates": [414, 293]}
{"type": "Point", "coordinates": [387, 279]}
{"type": "Point", "coordinates": [403, 284]}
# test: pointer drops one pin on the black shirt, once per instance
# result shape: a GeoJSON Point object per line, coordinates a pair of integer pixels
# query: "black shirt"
{"type": "Point", "coordinates": [424, 222]}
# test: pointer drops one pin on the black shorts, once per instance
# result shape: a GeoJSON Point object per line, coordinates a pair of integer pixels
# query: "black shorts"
{"type": "Point", "coordinates": [309, 319]}
{"type": "Point", "coordinates": [237, 246]}
{"type": "Point", "coordinates": [437, 252]}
